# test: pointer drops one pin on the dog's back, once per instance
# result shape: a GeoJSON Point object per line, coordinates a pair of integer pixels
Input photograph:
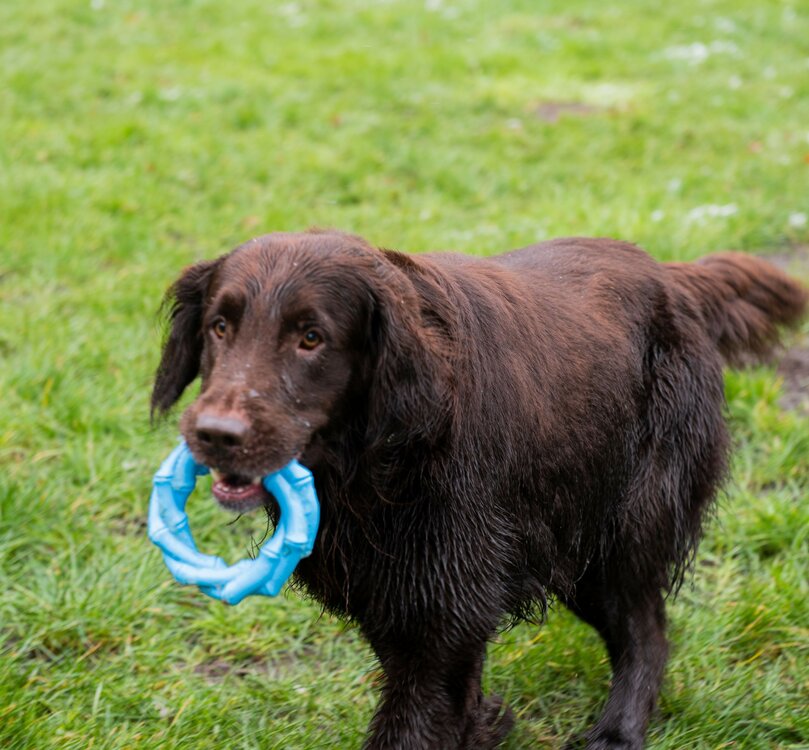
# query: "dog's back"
{"type": "Point", "coordinates": [593, 405]}
{"type": "Point", "coordinates": [594, 382]}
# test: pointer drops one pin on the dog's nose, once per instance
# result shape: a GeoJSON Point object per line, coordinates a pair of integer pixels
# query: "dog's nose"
{"type": "Point", "coordinates": [221, 430]}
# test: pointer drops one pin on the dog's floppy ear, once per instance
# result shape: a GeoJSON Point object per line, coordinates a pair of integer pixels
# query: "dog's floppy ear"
{"type": "Point", "coordinates": [182, 348]}
{"type": "Point", "coordinates": [410, 383]}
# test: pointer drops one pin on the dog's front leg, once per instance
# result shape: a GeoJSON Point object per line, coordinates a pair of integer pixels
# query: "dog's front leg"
{"type": "Point", "coordinates": [432, 700]}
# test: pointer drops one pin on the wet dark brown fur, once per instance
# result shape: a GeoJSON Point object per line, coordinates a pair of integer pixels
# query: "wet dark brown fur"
{"type": "Point", "coordinates": [484, 434]}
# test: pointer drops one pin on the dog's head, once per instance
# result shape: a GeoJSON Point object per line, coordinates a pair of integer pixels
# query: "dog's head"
{"type": "Point", "coordinates": [294, 336]}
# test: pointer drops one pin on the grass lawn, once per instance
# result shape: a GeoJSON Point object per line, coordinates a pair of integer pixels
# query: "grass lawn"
{"type": "Point", "coordinates": [137, 137]}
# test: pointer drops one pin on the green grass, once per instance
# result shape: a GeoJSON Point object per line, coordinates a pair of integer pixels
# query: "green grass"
{"type": "Point", "coordinates": [138, 137]}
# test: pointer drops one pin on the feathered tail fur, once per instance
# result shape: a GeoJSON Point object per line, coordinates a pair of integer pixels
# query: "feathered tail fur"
{"type": "Point", "coordinates": [743, 301]}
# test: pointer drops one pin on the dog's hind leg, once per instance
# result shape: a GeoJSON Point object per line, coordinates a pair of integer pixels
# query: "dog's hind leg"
{"type": "Point", "coordinates": [633, 626]}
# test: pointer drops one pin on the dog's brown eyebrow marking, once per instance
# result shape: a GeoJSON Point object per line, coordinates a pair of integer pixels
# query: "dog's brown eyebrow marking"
{"type": "Point", "coordinates": [229, 304]}
{"type": "Point", "coordinates": [295, 293]}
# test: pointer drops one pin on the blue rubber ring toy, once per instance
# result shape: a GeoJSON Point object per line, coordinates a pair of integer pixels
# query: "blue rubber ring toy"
{"type": "Point", "coordinates": [294, 489]}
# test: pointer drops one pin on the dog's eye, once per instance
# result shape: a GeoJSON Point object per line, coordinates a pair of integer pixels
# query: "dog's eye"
{"type": "Point", "coordinates": [311, 339]}
{"type": "Point", "coordinates": [219, 327]}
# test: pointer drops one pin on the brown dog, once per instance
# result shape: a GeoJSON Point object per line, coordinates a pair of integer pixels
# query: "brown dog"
{"type": "Point", "coordinates": [484, 433]}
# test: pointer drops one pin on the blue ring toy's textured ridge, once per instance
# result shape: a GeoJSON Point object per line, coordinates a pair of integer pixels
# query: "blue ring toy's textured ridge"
{"type": "Point", "coordinates": [294, 489]}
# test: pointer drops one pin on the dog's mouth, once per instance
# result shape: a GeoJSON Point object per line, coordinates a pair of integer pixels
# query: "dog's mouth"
{"type": "Point", "coordinates": [237, 492]}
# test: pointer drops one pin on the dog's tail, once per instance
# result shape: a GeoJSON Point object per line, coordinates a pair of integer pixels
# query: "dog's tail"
{"type": "Point", "coordinates": [742, 300]}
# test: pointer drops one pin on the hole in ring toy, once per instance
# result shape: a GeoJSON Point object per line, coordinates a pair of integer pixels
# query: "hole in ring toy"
{"type": "Point", "coordinates": [294, 489]}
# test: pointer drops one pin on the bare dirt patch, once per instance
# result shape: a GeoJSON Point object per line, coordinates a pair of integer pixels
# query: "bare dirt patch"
{"type": "Point", "coordinates": [280, 666]}
{"type": "Point", "coordinates": [552, 111]}
{"type": "Point", "coordinates": [794, 369]}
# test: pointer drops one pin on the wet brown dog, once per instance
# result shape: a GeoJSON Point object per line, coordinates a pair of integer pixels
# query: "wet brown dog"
{"type": "Point", "coordinates": [483, 434]}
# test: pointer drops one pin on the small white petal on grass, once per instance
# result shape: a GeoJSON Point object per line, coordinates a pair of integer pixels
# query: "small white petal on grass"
{"type": "Point", "coordinates": [657, 215]}
{"type": "Point", "coordinates": [163, 710]}
{"type": "Point", "coordinates": [725, 25]}
{"type": "Point", "coordinates": [674, 185]}
{"type": "Point", "coordinates": [293, 13]}
{"type": "Point", "coordinates": [171, 94]}
{"type": "Point", "coordinates": [699, 214]}
{"type": "Point", "coordinates": [609, 93]}
{"type": "Point", "coordinates": [723, 47]}
{"type": "Point", "coordinates": [798, 220]}
{"type": "Point", "coordinates": [734, 82]}
{"type": "Point", "coordinates": [697, 53]}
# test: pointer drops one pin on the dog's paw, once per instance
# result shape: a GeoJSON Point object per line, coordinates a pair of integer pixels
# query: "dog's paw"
{"type": "Point", "coordinates": [604, 743]}
{"type": "Point", "coordinates": [602, 740]}
{"type": "Point", "coordinates": [494, 721]}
